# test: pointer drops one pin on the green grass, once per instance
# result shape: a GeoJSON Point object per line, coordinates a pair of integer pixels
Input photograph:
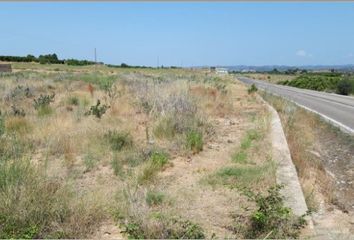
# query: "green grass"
{"type": "Point", "coordinates": [241, 173]}
{"type": "Point", "coordinates": [194, 141]}
{"type": "Point", "coordinates": [73, 100]}
{"type": "Point", "coordinates": [251, 136]}
{"type": "Point", "coordinates": [45, 111]}
{"type": "Point", "coordinates": [154, 164]}
{"type": "Point", "coordinates": [117, 166]}
{"type": "Point", "coordinates": [239, 157]}
{"type": "Point", "coordinates": [241, 176]}
{"type": "Point", "coordinates": [154, 198]}
{"type": "Point", "coordinates": [119, 140]}
{"type": "Point", "coordinates": [90, 161]}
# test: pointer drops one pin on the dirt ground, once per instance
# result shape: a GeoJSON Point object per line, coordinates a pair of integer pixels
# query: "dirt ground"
{"type": "Point", "coordinates": [209, 207]}
{"type": "Point", "coordinates": [336, 152]}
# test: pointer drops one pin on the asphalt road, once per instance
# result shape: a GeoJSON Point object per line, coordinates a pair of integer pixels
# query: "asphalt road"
{"type": "Point", "coordinates": [337, 109]}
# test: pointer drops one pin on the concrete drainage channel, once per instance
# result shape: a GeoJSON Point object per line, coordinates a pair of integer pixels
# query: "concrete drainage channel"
{"type": "Point", "coordinates": [286, 174]}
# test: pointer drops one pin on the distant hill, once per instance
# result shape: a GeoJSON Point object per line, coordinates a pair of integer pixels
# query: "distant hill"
{"type": "Point", "coordinates": [348, 67]}
{"type": "Point", "coordinates": [267, 68]}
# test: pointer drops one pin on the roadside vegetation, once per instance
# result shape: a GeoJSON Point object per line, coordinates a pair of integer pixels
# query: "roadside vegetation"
{"type": "Point", "coordinates": [336, 82]}
{"type": "Point", "coordinates": [92, 147]}
{"type": "Point", "coordinates": [329, 82]}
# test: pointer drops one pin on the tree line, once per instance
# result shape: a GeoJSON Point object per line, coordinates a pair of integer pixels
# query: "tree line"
{"type": "Point", "coordinates": [43, 59]}
{"type": "Point", "coordinates": [46, 59]}
{"type": "Point", "coordinates": [53, 59]}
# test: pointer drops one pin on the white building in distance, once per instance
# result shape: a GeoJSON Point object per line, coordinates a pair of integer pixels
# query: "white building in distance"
{"type": "Point", "coordinates": [221, 71]}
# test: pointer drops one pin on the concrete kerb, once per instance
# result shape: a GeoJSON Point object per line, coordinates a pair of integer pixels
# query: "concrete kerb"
{"type": "Point", "coordinates": [286, 174]}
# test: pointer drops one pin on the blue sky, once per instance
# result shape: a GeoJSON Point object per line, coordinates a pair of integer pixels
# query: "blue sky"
{"type": "Point", "coordinates": [187, 34]}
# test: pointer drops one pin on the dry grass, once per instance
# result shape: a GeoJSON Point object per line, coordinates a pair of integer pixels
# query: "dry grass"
{"type": "Point", "coordinates": [67, 170]}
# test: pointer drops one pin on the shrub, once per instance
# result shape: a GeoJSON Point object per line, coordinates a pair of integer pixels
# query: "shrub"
{"type": "Point", "coordinates": [185, 229]}
{"type": "Point", "coordinates": [154, 198]}
{"type": "Point", "coordinates": [43, 101]}
{"type": "Point", "coordinates": [159, 159]}
{"type": "Point", "coordinates": [272, 218]}
{"type": "Point", "coordinates": [18, 111]}
{"type": "Point", "coordinates": [155, 163]}
{"type": "Point", "coordinates": [344, 86]}
{"type": "Point", "coordinates": [119, 140]}
{"type": "Point", "coordinates": [18, 93]}
{"type": "Point", "coordinates": [73, 100]}
{"type": "Point", "coordinates": [315, 81]}
{"type": "Point", "coordinates": [252, 89]}
{"type": "Point", "coordinates": [164, 228]}
{"type": "Point", "coordinates": [194, 141]}
{"type": "Point", "coordinates": [97, 110]}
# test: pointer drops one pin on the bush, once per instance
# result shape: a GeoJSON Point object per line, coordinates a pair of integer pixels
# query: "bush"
{"type": "Point", "coordinates": [97, 110]}
{"type": "Point", "coordinates": [315, 81]}
{"type": "Point", "coordinates": [154, 198]}
{"type": "Point", "coordinates": [159, 159]}
{"type": "Point", "coordinates": [164, 228]}
{"type": "Point", "coordinates": [345, 86]}
{"type": "Point", "coordinates": [155, 163]}
{"type": "Point", "coordinates": [194, 141]}
{"type": "Point", "coordinates": [18, 111]}
{"type": "Point", "coordinates": [272, 218]}
{"type": "Point", "coordinates": [73, 100]}
{"type": "Point", "coordinates": [18, 93]}
{"type": "Point", "coordinates": [43, 101]}
{"type": "Point", "coordinates": [119, 140]}
{"type": "Point", "coordinates": [252, 89]}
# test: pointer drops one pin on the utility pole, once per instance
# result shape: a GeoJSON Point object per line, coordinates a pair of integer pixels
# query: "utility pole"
{"type": "Point", "coordinates": [158, 62]}
{"type": "Point", "coordinates": [95, 59]}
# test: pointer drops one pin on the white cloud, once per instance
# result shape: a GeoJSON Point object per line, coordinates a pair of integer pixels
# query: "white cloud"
{"type": "Point", "coordinates": [303, 53]}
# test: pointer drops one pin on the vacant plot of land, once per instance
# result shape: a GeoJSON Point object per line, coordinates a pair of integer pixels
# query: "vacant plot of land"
{"type": "Point", "coordinates": [142, 153]}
